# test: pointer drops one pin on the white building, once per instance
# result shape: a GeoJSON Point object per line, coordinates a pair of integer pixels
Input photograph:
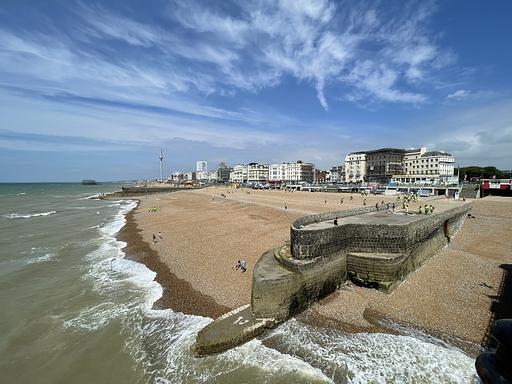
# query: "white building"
{"type": "Point", "coordinates": [432, 167]}
{"type": "Point", "coordinates": [213, 176]}
{"type": "Point", "coordinates": [201, 166]}
{"type": "Point", "coordinates": [249, 173]}
{"type": "Point", "coordinates": [291, 172]}
{"type": "Point", "coordinates": [202, 175]}
{"type": "Point", "coordinates": [355, 167]}
{"type": "Point", "coordinates": [337, 174]}
{"type": "Point", "coordinates": [187, 176]}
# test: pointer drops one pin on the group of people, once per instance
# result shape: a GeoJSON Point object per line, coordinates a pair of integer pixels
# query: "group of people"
{"type": "Point", "coordinates": [408, 197]}
{"type": "Point", "coordinates": [242, 265]}
{"type": "Point", "coordinates": [155, 239]}
{"type": "Point", "coordinates": [428, 208]}
{"type": "Point", "coordinates": [153, 209]}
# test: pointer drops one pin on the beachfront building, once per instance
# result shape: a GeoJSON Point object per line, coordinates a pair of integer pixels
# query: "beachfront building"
{"type": "Point", "coordinates": [249, 173]}
{"type": "Point", "coordinates": [201, 166]}
{"type": "Point", "coordinates": [202, 175]}
{"type": "Point", "coordinates": [188, 176]}
{"type": "Point", "coordinates": [337, 174]}
{"type": "Point", "coordinates": [291, 172]}
{"type": "Point", "coordinates": [223, 172]}
{"type": "Point", "coordinates": [213, 176]}
{"type": "Point", "coordinates": [383, 163]}
{"type": "Point", "coordinates": [423, 167]}
{"type": "Point", "coordinates": [320, 176]}
{"type": "Point", "coordinates": [355, 167]}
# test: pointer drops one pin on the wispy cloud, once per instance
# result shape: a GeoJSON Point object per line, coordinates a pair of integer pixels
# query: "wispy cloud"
{"type": "Point", "coordinates": [363, 46]}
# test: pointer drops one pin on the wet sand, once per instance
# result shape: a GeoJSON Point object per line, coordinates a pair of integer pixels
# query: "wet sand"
{"type": "Point", "coordinates": [204, 234]}
{"type": "Point", "coordinates": [178, 294]}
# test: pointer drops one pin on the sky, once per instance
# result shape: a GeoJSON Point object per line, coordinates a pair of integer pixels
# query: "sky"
{"type": "Point", "coordinates": [95, 89]}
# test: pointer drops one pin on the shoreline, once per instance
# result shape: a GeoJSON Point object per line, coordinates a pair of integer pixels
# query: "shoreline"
{"type": "Point", "coordinates": [437, 301]}
{"type": "Point", "coordinates": [178, 294]}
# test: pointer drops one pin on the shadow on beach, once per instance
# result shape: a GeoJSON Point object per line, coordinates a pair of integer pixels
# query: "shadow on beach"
{"type": "Point", "coordinates": [501, 308]}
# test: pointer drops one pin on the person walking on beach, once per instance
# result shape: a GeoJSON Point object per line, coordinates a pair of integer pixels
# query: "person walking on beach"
{"type": "Point", "coordinates": [364, 202]}
{"type": "Point", "coordinates": [154, 238]}
{"type": "Point", "coordinates": [237, 265]}
{"type": "Point", "coordinates": [243, 265]}
{"type": "Point", "coordinates": [160, 235]}
{"type": "Point", "coordinates": [393, 206]}
{"type": "Point", "coordinates": [377, 206]}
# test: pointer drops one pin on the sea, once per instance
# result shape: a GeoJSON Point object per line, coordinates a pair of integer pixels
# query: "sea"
{"type": "Point", "coordinates": [74, 310]}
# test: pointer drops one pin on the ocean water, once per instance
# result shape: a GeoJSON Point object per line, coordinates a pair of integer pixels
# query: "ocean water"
{"type": "Point", "coordinates": [73, 310]}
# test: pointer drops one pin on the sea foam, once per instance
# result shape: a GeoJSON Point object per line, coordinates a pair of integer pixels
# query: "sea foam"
{"type": "Point", "coordinates": [159, 340]}
{"type": "Point", "coordinates": [27, 215]}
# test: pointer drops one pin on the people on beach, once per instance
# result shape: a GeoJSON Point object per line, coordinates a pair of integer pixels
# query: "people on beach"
{"type": "Point", "coordinates": [154, 238]}
{"type": "Point", "coordinates": [285, 207]}
{"type": "Point", "coordinates": [336, 221]}
{"type": "Point", "coordinates": [351, 197]}
{"type": "Point", "coordinates": [341, 201]}
{"type": "Point", "coordinates": [420, 210]}
{"type": "Point", "coordinates": [237, 265]}
{"type": "Point", "coordinates": [377, 206]}
{"type": "Point", "coordinates": [243, 265]}
{"type": "Point", "coordinates": [160, 235]}
{"type": "Point", "coordinates": [364, 202]}
{"type": "Point", "coordinates": [426, 209]}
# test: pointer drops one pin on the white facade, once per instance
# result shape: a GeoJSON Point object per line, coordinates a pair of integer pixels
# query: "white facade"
{"type": "Point", "coordinates": [291, 172]}
{"type": "Point", "coordinates": [201, 166]}
{"type": "Point", "coordinates": [422, 166]}
{"type": "Point", "coordinates": [249, 173]}
{"type": "Point", "coordinates": [187, 176]}
{"type": "Point", "coordinates": [201, 175]}
{"type": "Point", "coordinates": [355, 167]}
{"type": "Point", "coordinates": [336, 174]}
{"type": "Point", "coordinates": [213, 176]}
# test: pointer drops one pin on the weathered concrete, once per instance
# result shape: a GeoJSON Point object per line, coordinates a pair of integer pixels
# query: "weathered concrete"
{"type": "Point", "coordinates": [233, 328]}
{"type": "Point", "coordinates": [370, 247]}
{"type": "Point", "coordinates": [279, 292]}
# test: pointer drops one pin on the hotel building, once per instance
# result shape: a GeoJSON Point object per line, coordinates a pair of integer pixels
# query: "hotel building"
{"type": "Point", "coordinates": [291, 172]}
{"type": "Point", "coordinates": [355, 167]}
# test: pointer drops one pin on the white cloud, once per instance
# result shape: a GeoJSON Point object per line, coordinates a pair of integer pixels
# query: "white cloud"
{"type": "Point", "coordinates": [324, 44]}
{"type": "Point", "coordinates": [358, 51]}
{"type": "Point", "coordinates": [459, 94]}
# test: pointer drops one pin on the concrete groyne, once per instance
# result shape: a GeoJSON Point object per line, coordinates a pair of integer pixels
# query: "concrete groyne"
{"type": "Point", "coordinates": [138, 191]}
{"type": "Point", "coordinates": [371, 247]}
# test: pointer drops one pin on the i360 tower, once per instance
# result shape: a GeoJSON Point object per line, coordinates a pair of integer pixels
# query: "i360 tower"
{"type": "Point", "coordinates": [161, 166]}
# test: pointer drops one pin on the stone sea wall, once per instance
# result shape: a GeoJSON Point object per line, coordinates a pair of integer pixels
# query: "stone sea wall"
{"type": "Point", "coordinates": [318, 261]}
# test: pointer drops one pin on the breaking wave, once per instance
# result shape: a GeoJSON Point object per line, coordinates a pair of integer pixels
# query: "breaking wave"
{"type": "Point", "coordinates": [27, 215]}
{"type": "Point", "coordinates": [159, 341]}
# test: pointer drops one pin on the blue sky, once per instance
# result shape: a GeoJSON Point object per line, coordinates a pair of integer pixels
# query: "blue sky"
{"type": "Point", "coordinates": [94, 89]}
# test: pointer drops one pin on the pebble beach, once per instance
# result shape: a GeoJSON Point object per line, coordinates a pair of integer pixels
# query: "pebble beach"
{"type": "Point", "coordinates": [204, 233]}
